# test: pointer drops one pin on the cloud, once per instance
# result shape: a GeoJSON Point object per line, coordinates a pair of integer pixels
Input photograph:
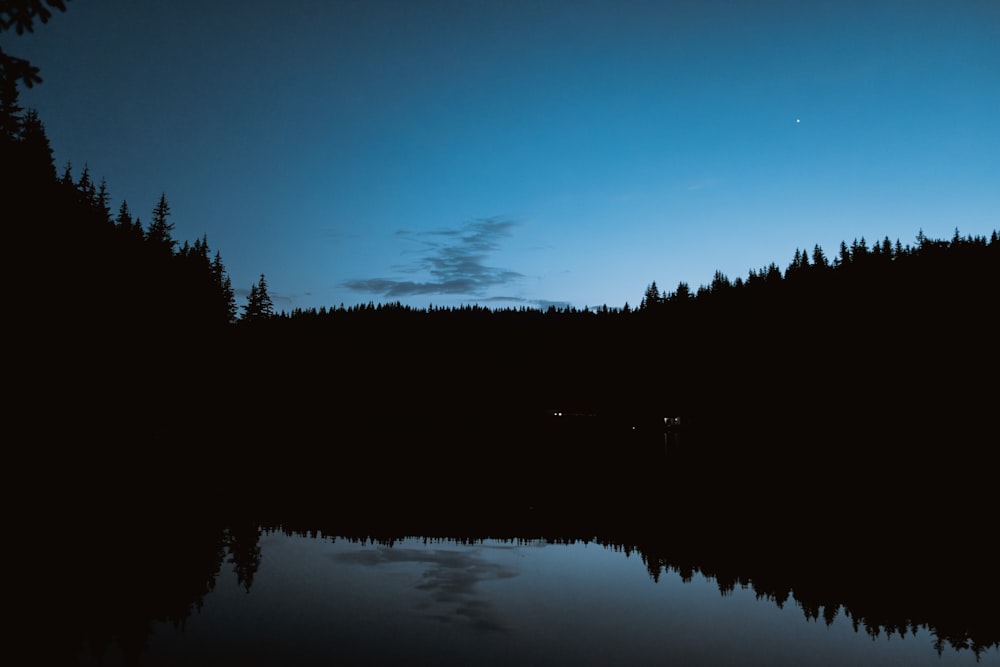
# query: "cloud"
{"type": "Point", "coordinates": [454, 261]}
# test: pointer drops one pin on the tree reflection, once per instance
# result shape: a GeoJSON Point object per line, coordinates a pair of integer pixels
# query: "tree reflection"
{"type": "Point", "coordinates": [868, 551]}
{"type": "Point", "coordinates": [242, 541]}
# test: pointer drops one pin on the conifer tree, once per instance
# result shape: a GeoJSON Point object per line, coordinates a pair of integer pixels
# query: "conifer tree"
{"type": "Point", "coordinates": [103, 201]}
{"type": "Point", "coordinates": [85, 187]}
{"type": "Point", "coordinates": [844, 258]}
{"type": "Point", "coordinates": [259, 305]}
{"type": "Point", "coordinates": [124, 219]}
{"type": "Point", "coordinates": [36, 152]}
{"type": "Point", "coordinates": [683, 293]}
{"type": "Point", "coordinates": [886, 248]}
{"type": "Point", "coordinates": [225, 287]}
{"type": "Point", "coordinates": [126, 226]}
{"type": "Point", "coordinates": [159, 232]}
{"type": "Point", "coordinates": [720, 283]}
{"type": "Point", "coordinates": [651, 298]}
{"type": "Point", "coordinates": [819, 259]}
{"type": "Point", "coordinates": [67, 176]}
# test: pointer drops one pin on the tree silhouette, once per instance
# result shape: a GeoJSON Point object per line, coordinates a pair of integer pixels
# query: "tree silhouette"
{"type": "Point", "coordinates": [159, 232]}
{"type": "Point", "coordinates": [21, 15]}
{"type": "Point", "coordinates": [225, 286]}
{"type": "Point", "coordinates": [128, 227]}
{"type": "Point", "coordinates": [259, 306]}
{"type": "Point", "coordinates": [682, 294]}
{"type": "Point", "coordinates": [652, 297]}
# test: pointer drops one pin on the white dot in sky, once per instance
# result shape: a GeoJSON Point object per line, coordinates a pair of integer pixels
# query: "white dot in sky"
{"type": "Point", "coordinates": [797, 120]}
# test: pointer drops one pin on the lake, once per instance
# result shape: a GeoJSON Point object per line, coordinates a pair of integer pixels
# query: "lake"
{"type": "Point", "coordinates": [318, 600]}
{"type": "Point", "coordinates": [579, 542]}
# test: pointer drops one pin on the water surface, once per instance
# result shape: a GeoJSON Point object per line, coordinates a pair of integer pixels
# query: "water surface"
{"type": "Point", "coordinates": [327, 600]}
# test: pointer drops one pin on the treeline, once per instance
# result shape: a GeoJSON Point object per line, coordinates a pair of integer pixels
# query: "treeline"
{"type": "Point", "coordinates": [820, 333]}
{"type": "Point", "coordinates": [102, 273]}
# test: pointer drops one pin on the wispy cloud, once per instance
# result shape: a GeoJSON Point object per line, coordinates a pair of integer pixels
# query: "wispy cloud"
{"type": "Point", "coordinates": [452, 260]}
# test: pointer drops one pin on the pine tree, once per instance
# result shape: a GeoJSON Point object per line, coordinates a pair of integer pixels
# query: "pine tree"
{"type": "Point", "coordinates": [36, 150]}
{"type": "Point", "coordinates": [85, 187]}
{"type": "Point", "coordinates": [259, 305]}
{"type": "Point", "coordinates": [886, 248]}
{"type": "Point", "coordinates": [651, 298]}
{"type": "Point", "coordinates": [720, 283]}
{"type": "Point", "coordinates": [124, 219]}
{"type": "Point", "coordinates": [230, 311]}
{"type": "Point", "coordinates": [125, 226]}
{"type": "Point", "coordinates": [103, 201]}
{"type": "Point", "coordinates": [844, 258]}
{"type": "Point", "coordinates": [159, 232]}
{"type": "Point", "coordinates": [819, 259]}
{"type": "Point", "coordinates": [683, 293]}
{"type": "Point", "coordinates": [67, 176]}
{"type": "Point", "coordinates": [225, 287]}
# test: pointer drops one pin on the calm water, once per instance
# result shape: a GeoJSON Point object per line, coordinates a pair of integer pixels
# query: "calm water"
{"type": "Point", "coordinates": [327, 600]}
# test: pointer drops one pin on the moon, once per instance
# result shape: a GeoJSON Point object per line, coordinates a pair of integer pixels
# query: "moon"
{"type": "Point", "coordinates": [797, 120]}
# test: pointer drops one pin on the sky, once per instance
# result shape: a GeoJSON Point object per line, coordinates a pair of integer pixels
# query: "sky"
{"type": "Point", "coordinates": [525, 152]}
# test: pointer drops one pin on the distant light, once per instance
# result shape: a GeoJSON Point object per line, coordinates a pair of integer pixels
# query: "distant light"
{"type": "Point", "coordinates": [797, 120]}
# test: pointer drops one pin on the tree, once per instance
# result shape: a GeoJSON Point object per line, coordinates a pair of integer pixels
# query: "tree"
{"type": "Point", "coordinates": [67, 176]}
{"type": "Point", "coordinates": [125, 225]}
{"type": "Point", "coordinates": [159, 232]}
{"type": "Point", "coordinates": [682, 294]}
{"type": "Point", "coordinates": [225, 287]}
{"type": "Point", "coordinates": [103, 201]}
{"type": "Point", "coordinates": [651, 298]}
{"type": "Point", "coordinates": [259, 305]}
{"type": "Point", "coordinates": [21, 15]}
{"type": "Point", "coordinates": [844, 257]}
{"type": "Point", "coordinates": [800, 263]}
{"type": "Point", "coordinates": [85, 187]}
{"type": "Point", "coordinates": [886, 248]}
{"type": "Point", "coordinates": [26, 150]}
{"type": "Point", "coordinates": [819, 259]}
{"type": "Point", "coordinates": [720, 283]}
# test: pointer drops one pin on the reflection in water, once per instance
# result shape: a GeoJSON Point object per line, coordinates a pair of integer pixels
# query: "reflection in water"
{"type": "Point", "coordinates": [450, 579]}
{"type": "Point", "coordinates": [325, 600]}
{"type": "Point", "coordinates": [607, 543]}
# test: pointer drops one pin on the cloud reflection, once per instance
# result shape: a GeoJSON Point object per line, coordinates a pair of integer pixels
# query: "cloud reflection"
{"type": "Point", "coordinates": [451, 581]}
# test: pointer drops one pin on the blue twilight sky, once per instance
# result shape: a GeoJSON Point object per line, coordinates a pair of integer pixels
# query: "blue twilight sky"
{"type": "Point", "coordinates": [510, 152]}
